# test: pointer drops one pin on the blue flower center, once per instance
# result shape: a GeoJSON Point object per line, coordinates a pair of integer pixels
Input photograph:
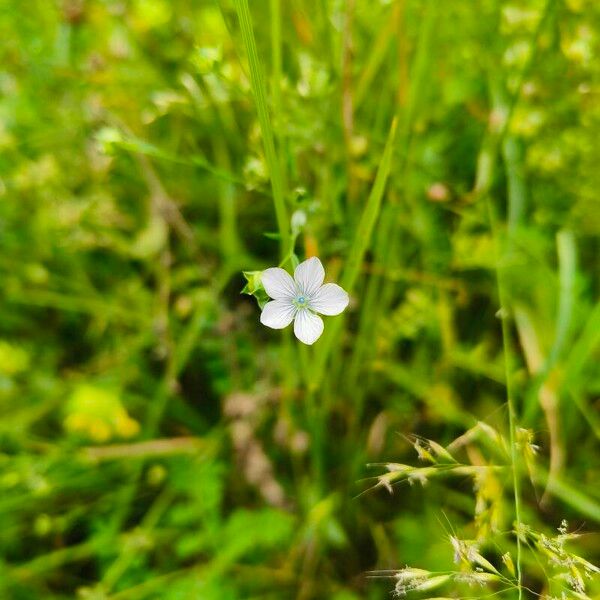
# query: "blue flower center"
{"type": "Point", "coordinates": [301, 302]}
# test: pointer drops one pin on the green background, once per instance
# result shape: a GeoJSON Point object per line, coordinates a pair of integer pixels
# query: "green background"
{"type": "Point", "coordinates": [155, 440]}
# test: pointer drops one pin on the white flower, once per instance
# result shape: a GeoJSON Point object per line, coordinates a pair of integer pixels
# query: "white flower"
{"type": "Point", "coordinates": [300, 298]}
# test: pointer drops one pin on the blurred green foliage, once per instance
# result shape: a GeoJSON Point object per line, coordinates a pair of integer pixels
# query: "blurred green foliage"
{"type": "Point", "coordinates": [155, 440]}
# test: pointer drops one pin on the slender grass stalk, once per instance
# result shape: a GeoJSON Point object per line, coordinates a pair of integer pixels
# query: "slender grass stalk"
{"type": "Point", "coordinates": [257, 83]}
{"type": "Point", "coordinates": [362, 238]}
{"type": "Point", "coordinates": [277, 69]}
{"type": "Point", "coordinates": [275, 6]}
{"type": "Point", "coordinates": [348, 100]}
{"type": "Point", "coordinates": [517, 197]}
{"type": "Point", "coordinates": [486, 163]}
{"type": "Point", "coordinates": [512, 417]}
{"type": "Point", "coordinates": [485, 173]}
{"type": "Point", "coordinates": [276, 79]}
{"type": "Point", "coordinates": [508, 376]}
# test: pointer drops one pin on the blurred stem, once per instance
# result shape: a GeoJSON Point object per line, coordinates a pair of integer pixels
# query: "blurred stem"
{"type": "Point", "coordinates": [509, 370]}
{"type": "Point", "coordinates": [543, 393]}
{"type": "Point", "coordinates": [147, 449]}
{"type": "Point", "coordinates": [176, 362]}
{"type": "Point", "coordinates": [484, 178]}
{"type": "Point", "coordinates": [276, 75]}
{"type": "Point", "coordinates": [375, 58]}
{"type": "Point", "coordinates": [385, 246]}
{"type": "Point", "coordinates": [231, 245]}
{"type": "Point", "coordinates": [512, 152]}
{"type": "Point", "coordinates": [130, 552]}
{"type": "Point", "coordinates": [56, 559]}
{"type": "Point", "coordinates": [379, 291]}
{"type": "Point", "coordinates": [567, 270]}
{"type": "Point", "coordinates": [260, 99]}
{"type": "Point", "coordinates": [276, 53]}
{"type": "Point", "coordinates": [370, 215]}
{"type": "Point", "coordinates": [347, 99]}
{"type": "Point", "coordinates": [304, 363]}
{"type": "Point", "coordinates": [314, 420]}
{"type": "Point", "coordinates": [277, 78]}
{"type": "Point", "coordinates": [503, 108]}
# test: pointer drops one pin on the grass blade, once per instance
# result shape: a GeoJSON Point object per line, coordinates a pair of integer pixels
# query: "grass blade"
{"type": "Point", "coordinates": [257, 82]}
{"type": "Point", "coordinates": [362, 239]}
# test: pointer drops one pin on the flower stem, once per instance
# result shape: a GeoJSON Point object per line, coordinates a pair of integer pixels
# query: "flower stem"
{"type": "Point", "coordinates": [258, 85]}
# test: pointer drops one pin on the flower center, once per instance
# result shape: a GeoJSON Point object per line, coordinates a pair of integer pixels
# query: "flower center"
{"type": "Point", "coordinates": [301, 302]}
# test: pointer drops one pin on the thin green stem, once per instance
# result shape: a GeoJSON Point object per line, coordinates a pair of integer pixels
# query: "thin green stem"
{"type": "Point", "coordinates": [508, 371]}
{"type": "Point", "coordinates": [257, 83]}
{"type": "Point", "coordinates": [276, 79]}
{"type": "Point", "coordinates": [276, 72]}
{"type": "Point", "coordinates": [485, 170]}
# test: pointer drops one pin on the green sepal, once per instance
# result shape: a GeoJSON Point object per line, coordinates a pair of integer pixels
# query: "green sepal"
{"type": "Point", "coordinates": [254, 287]}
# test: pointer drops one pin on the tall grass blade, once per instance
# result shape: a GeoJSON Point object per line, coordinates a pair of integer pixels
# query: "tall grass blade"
{"type": "Point", "coordinates": [359, 247]}
{"type": "Point", "coordinates": [257, 82]}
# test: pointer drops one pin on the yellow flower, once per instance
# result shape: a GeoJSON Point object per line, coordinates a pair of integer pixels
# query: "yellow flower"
{"type": "Point", "coordinates": [97, 413]}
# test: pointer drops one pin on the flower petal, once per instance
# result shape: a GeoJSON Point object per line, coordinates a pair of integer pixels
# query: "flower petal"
{"type": "Point", "coordinates": [330, 299]}
{"type": "Point", "coordinates": [309, 276]}
{"type": "Point", "coordinates": [278, 283]}
{"type": "Point", "coordinates": [277, 314]}
{"type": "Point", "coordinates": [308, 327]}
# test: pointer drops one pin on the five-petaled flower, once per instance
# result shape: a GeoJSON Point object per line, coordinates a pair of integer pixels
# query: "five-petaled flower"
{"type": "Point", "coordinates": [300, 298]}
